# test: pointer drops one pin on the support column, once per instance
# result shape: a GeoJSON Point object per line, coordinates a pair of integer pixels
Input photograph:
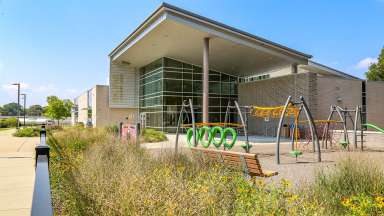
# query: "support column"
{"type": "Point", "coordinates": [205, 79]}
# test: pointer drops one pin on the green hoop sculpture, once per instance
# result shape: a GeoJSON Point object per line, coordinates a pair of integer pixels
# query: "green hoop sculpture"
{"type": "Point", "coordinates": [214, 131]}
{"type": "Point", "coordinates": [202, 133]}
{"type": "Point", "coordinates": [234, 137]}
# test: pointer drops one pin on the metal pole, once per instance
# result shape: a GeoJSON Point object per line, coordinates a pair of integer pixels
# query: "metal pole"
{"type": "Point", "coordinates": [247, 147]}
{"type": "Point", "coordinates": [355, 127]}
{"type": "Point", "coordinates": [193, 122]}
{"type": "Point", "coordinates": [25, 99]}
{"type": "Point", "coordinates": [178, 127]}
{"type": "Point", "coordinates": [326, 130]}
{"type": "Point", "coordinates": [279, 129]}
{"type": "Point", "coordinates": [312, 126]}
{"type": "Point", "coordinates": [346, 139]}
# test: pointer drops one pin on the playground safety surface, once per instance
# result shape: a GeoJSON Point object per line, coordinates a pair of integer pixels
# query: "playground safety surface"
{"type": "Point", "coordinates": [298, 172]}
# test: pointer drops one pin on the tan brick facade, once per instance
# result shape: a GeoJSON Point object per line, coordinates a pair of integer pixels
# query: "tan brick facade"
{"type": "Point", "coordinates": [375, 102]}
{"type": "Point", "coordinates": [102, 114]}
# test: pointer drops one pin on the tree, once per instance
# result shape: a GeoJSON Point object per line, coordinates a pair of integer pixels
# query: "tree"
{"type": "Point", "coordinates": [376, 70]}
{"type": "Point", "coordinates": [11, 109]}
{"type": "Point", "coordinates": [58, 109]}
{"type": "Point", "coordinates": [35, 110]}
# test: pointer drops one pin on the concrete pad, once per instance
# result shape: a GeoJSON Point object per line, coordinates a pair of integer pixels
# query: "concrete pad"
{"type": "Point", "coordinates": [17, 173]}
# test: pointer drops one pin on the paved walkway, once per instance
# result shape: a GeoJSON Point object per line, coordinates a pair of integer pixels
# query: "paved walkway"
{"type": "Point", "coordinates": [17, 173]}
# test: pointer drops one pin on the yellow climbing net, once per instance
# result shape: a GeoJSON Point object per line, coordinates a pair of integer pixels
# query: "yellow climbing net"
{"type": "Point", "coordinates": [274, 112]}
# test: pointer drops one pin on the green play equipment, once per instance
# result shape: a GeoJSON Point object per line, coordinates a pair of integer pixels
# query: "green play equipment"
{"type": "Point", "coordinates": [202, 133]}
{"type": "Point", "coordinates": [234, 138]}
{"type": "Point", "coordinates": [344, 144]}
{"type": "Point", "coordinates": [381, 130]}
{"type": "Point", "coordinates": [214, 131]}
{"type": "Point", "coordinates": [296, 153]}
{"type": "Point", "coordinates": [207, 133]}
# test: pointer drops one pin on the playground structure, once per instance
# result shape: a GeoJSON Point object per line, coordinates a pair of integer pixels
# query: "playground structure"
{"type": "Point", "coordinates": [293, 109]}
{"type": "Point", "coordinates": [204, 134]}
{"type": "Point", "coordinates": [344, 115]}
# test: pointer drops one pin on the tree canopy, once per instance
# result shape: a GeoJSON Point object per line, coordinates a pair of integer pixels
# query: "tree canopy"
{"type": "Point", "coordinates": [10, 109]}
{"type": "Point", "coordinates": [58, 109]}
{"type": "Point", "coordinates": [35, 110]}
{"type": "Point", "coordinates": [376, 70]}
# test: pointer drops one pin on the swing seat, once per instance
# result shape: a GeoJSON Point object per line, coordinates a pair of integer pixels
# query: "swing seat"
{"type": "Point", "coordinates": [344, 143]}
{"type": "Point", "coordinates": [296, 153]}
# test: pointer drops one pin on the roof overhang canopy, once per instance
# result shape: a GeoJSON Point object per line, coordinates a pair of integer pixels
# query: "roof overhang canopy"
{"type": "Point", "coordinates": [176, 33]}
{"type": "Point", "coordinates": [325, 70]}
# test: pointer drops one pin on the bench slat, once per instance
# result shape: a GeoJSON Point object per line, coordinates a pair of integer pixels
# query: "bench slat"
{"type": "Point", "coordinates": [233, 160]}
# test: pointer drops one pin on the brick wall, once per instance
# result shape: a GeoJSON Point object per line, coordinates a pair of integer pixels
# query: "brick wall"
{"type": "Point", "coordinates": [375, 102]}
{"type": "Point", "coordinates": [274, 92]}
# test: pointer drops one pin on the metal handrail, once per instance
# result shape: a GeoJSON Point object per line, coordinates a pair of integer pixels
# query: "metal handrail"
{"type": "Point", "coordinates": [42, 202]}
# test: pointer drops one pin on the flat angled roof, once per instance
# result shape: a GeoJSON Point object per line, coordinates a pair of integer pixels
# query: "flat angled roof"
{"type": "Point", "coordinates": [165, 6]}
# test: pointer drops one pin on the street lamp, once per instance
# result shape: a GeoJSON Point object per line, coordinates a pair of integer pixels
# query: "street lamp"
{"type": "Point", "coordinates": [18, 104]}
{"type": "Point", "coordinates": [25, 103]}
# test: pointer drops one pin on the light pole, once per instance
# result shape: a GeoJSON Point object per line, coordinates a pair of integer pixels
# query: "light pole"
{"type": "Point", "coordinates": [25, 103]}
{"type": "Point", "coordinates": [18, 104]}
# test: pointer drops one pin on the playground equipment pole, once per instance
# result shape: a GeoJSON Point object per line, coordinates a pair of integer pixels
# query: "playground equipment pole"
{"type": "Point", "coordinates": [312, 125]}
{"type": "Point", "coordinates": [355, 127]}
{"type": "Point", "coordinates": [193, 122]}
{"type": "Point", "coordinates": [332, 109]}
{"type": "Point", "coordinates": [247, 147]}
{"type": "Point", "coordinates": [178, 127]}
{"type": "Point", "coordinates": [279, 129]}
{"type": "Point", "coordinates": [343, 119]}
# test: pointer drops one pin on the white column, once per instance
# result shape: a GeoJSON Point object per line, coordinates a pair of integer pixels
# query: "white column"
{"type": "Point", "coordinates": [205, 79]}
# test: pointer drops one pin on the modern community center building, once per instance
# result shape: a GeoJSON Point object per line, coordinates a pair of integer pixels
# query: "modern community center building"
{"type": "Point", "coordinates": [176, 55]}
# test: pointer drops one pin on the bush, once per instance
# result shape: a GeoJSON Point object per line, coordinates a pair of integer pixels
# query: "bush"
{"type": "Point", "coordinates": [8, 122]}
{"type": "Point", "coordinates": [113, 129]}
{"type": "Point", "coordinates": [151, 135]}
{"type": "Point", "coordinates": [357, 179]}
{"type": "Point", "coordinates": [27, 132]}
{"type": "Point", "coordinates": [94, 174]}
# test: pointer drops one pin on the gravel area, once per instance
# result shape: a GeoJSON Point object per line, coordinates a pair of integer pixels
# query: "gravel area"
{"type": "Point", "coordinates": [300, 171]}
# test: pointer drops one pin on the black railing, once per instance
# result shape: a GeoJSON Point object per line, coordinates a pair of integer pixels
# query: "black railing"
{"type": "Point", "coordinates": [42, 203]}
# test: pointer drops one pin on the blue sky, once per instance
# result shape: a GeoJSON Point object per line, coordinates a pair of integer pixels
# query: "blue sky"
{"type": "Point", "coordinates": [61, 47]}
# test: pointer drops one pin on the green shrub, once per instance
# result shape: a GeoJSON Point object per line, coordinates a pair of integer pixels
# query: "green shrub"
{"type": "Point", "coordinates": [27, 132]}
{"type": "Point", "coordinates": [352, 177]}
{"type": "Point", "coordinates": [8, 122]}
{"type": "Point", "coordinates": [151, 135]}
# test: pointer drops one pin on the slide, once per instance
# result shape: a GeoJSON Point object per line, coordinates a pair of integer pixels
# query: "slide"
{"type": "Point", "coordinates": [375, 127]}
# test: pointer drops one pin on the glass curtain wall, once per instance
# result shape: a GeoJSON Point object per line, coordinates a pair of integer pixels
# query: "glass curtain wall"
{"type": "Point", "coordinates": [165, 83]}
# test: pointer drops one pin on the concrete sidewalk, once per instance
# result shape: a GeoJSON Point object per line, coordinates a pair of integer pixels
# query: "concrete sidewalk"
{"type": "Point", "coordinates": [17, 173]}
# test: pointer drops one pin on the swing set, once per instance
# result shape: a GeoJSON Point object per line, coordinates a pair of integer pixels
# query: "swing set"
{"type": "Point", "coordinates": [205, 133]}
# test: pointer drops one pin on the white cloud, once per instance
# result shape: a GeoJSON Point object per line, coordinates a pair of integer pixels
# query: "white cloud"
{"type": "Point", "coordinates": [44, 88]}
{"type": "Point", "coordinates": [365, 63]}
{"type": "Point", "coordinates": [10, 87]}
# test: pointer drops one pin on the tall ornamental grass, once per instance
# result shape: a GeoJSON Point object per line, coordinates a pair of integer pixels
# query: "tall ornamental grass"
{"type": "Point", "coordinates": [92, 173]}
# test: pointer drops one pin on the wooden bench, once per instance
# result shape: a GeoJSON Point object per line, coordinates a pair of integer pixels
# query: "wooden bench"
{"type": "Point", "coordinates": [248, 163]}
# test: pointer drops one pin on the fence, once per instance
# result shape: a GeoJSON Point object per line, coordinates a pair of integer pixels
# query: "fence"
{"type": "Point", "coordinates": [42, 203]}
